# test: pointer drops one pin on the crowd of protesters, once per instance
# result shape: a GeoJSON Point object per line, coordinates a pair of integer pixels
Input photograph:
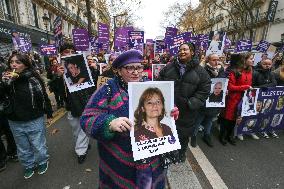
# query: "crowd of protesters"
{"type": "Point", "coordinates": [23, 119]}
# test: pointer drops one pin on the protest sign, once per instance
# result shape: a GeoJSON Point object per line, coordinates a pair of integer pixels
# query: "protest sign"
{"type": "Point", "coordinates": [81, 39]}
{"type": "Point", "coordinates": [270, 110]}
{"type": "Point", "coordinates": [136, 38]}
{"type": "Point", "coordinates": [177, 40]}
{"type": "Point", "coordinates": [217, 92]}
{"type": "Point", "coordinates": [101, 81]}
{"type": "Point", "coordinates": [263, 46]}
{"type": "Point", "coordinates": [57, 30]}
{"type": "Point", "coordinates": [145, 141]}
{"type": "Point", "coordinates": [216, 43]}
{"type": "Point", "coordinates": [243, 46]}
{"type": "Point", "coordinates": [77, 74]}
{"type": "Point", "coordinates": [156, 68]}
{"type": "Point", "coordinates": [47, 50]}
{"type": "Point", "coordinates": [249, 102]}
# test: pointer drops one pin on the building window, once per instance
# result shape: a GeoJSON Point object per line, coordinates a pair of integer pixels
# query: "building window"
{"type": "Point", "coordinates": [8, 13]}
{"type": "Point", "coordinates": [35, 14]}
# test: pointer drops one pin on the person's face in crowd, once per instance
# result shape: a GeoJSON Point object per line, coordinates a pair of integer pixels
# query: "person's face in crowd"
{"type": "Point", "coordinates": [145, 60]}
{"type": "Point", "coordinates": [222, 58]}
{"type": "Point", "coordinates": [266, 64]}
{"type": "Point", "coordinates": [157, 58]}
{"type": "Point", "coordinates": [264, 56]}
{"type": "Point", "coordinates": [131, 72]}
{"type": "Point", "coordinates": [17, 65]}
{"type": "Point", "coordinates": [73, 69]}
{"type": "Point", "coordinates": [111, 59]}
{"type": "Point", "coordinates": [250, 61]}
{"type": "Point", "coordinates": [67, 52]}
{"type": "Point", "coordinates": [153, 107]}
{"type": "Point", "coordinates": [54, 62]}
{"type": "Point", "coordinates": [104, 67]}
{"type": "Point", "coordinates": [213, 60]}
{"type": "Point", "coordinates": [90, 60]}
{"type": "Point", "coordinates": [258, 106]}
{"type": "Point", "coordinates": [217, 89]}
{"type": "Point", "coordinates": [216, 37]}
{"type": "Point", "coordinates": [185, 53]}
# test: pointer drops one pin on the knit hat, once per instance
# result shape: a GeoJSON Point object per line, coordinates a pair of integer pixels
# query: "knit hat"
{"type": "Point", "coordinates": [128, 57]}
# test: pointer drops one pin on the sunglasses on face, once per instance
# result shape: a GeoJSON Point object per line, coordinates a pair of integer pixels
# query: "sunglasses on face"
{"type": "Point", "coordinates": [131, 69]}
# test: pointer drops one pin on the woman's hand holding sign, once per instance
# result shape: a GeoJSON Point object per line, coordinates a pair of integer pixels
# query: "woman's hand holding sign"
{"type": "Point", "coordinates": [120, 124]}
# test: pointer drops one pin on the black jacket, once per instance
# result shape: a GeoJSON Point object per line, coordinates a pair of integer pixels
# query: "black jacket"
{"type": "Point", "coordinates": [263, 78]}
{"type": "Point", "coordinates": [24, 105]}
{"type": "Point", "coordinates": [191, 90]}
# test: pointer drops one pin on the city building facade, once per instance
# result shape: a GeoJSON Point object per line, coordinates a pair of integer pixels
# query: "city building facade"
{"type": "Point", "coordinates": [25, 16]}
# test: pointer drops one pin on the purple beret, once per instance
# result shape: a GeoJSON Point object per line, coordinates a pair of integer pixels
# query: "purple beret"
{"type": "Point", "coordinates": [128, 57]}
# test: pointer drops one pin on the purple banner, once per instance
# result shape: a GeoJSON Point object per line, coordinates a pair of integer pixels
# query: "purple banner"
{"type": "Point", "coordinates": [243, 46]}
{"type": "Point", "coordinates": [270, 110]}
{"type": "Point", "coordinates": [263, 46]}
{"type": "Point", "coordinates": [227, 42]}
{"type": "Point", "coordinates": [81, 39]}
{"type": "Point", "coordinates": [177, 40]}
{"type": "Point", "coordinates": [103, 33]}
{"type": "Point", "coordinates": [57, 30]}
{"type": "Point", "coordinates": [135, 38]}
{"type": "Point", "coordinates": [121, 37]}
{"type": "Point", "coordinates": [202, 41]}
{"type": "Point", "coordinates": [170, 32]}
{"type": "Point", "coordinates": [160, 45]}
{"type": "Point", "coordinates": [48, 49]}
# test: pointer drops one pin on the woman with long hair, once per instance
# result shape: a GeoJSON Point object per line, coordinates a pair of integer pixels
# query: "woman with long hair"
{"type": "Point", "coordinates": [148, 116]}
{"type": "Point", "coordinates": [29, 102]}
{"type": "Point", "coordinates": [240, 79]}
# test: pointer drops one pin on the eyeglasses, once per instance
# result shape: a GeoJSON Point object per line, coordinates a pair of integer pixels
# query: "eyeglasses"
{"type": "Point", "coordinates": [131, 69]}
{"type": "Point", "coordinates": [153, 103]}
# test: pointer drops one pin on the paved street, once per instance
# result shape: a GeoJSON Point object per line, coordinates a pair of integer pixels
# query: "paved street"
{"type": "Point", "coordinates": [63, 168]}
{"type": "Point", "coordinates": [251, 164]}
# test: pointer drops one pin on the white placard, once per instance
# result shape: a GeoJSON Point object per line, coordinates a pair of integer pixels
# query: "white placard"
{"type": "Point", "coordinates": [77, 74]}
{"type": "Point", "coordinates": [217, 92]}
{"type": "Point", "coordinates": [144, 138]}
{"type": "Point", "coordinates": [156, 68]}
{"type": "Point", "coordinates": [250, 102]}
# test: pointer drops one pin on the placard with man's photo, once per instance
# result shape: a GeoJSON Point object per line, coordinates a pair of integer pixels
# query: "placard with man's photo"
{"type": "Point", "coordinates": [77, 74]}
{"type": "Point", "coordinates": [154, 131]}
{"type": "Point", "coordinates": [217, 92]}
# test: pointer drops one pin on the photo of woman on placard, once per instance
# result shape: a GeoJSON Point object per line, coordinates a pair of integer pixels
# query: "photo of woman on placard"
{"type": "Point", "coordinates": [258, 106]}
{"type": "Point", "coordinates": [217, 95]}
{"type": "Point", "coordinates": [280, 103]}
{"type": "Point", "coordinates": [264, 123]}
{"type": "Point", "coordinates": [267, 105]}
{"type": "Point", "coordinates": [148, 116]}
{"type": "Point", "coordinates": [75, 74]}
{"type": "Point", "coordinates": [250, 124]}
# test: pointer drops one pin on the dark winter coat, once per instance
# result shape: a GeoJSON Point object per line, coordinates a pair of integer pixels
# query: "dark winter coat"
{"type": "Point", "coordinates": [191, 90]}
{"type": "Point", "coordinates": [263, 78]}
{"type": "Point", "coordinates": [27, 96]}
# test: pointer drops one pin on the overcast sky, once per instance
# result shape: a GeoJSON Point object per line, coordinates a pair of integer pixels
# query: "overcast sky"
{"type": "Point", "coordinates": [151, 16]}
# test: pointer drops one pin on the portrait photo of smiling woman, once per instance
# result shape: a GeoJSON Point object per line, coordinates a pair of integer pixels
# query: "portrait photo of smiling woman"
{"type": "Point", "coordinates": [148, 116]}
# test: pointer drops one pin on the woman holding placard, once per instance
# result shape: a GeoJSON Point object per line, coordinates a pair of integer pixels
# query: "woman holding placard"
{"type": "Point", "coordinates": [105, 118]}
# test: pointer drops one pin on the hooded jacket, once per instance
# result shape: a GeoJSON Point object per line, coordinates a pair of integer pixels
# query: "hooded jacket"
{"type": "Point", "coordinates": [191, 90]}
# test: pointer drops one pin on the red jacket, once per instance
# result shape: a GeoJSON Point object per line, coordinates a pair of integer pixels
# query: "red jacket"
{"type": "Point", "coordinates": [236, 88]}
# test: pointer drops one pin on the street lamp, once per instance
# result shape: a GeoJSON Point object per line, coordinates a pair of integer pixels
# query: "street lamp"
{"type": "Point", "coordinates": [114, 25]}
{"type": "Point", "coordinates": [46, 19]}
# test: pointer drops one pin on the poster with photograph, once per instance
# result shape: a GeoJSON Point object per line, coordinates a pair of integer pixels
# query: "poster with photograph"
{"type": "Point", "coordinates": [77, 74]}
{"type": "Point", "coordinates": [156, 68]}
{"type": "Point", "coordinates": [103, 67]}
{"type": "Point", "coordinates": [154, 131]}
{"type": "Point", "coordinates": [249, 103]}
{"type": "Point", "coordinates": [269, 109]}
{"type": "Point", "coordinates": [217, 92]}
{"type": "Point", "coordinates": [216, 43]}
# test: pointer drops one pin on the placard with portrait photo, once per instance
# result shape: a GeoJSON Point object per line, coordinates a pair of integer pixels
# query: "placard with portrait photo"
{"type": "Point", "coordinates": [154, 131]}
{"type": "Point", "coordinates": [77, 74]}
{"type": "Point", "coordinates": [217, 92]}
{"type": "Point", "coordinates": [156, 68]}
{"type": "Point", "coordinates": [249, 104]}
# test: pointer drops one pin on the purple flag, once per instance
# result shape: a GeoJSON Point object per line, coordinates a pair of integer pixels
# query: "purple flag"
{"type": "Point", "coordinates": [243, 46]}
{"type": "Point", "coordinates": [227, 42]}
{"type": "Point", "coordinates": [202, 41]}
{"type": "Point", "coordinates": [136, 38]}
{"type": "Point", "coordinates": [177, 40]}
{"type": "Point", "coordinates": [81, 39]}
{"type": "Point", "coordinates": [48, 49]}
{"type": "Point", "coordinates": [263, 46]}
{"type": "Point", "coordinates": [170, 32]}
